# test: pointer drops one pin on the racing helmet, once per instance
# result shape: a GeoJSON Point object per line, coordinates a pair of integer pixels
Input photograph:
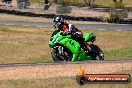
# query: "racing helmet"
{"type": "Point", "coordinates": [58, 20]}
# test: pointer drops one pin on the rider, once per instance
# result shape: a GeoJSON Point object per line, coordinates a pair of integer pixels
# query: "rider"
{"type": "Point", "coordinates": [68, 28]}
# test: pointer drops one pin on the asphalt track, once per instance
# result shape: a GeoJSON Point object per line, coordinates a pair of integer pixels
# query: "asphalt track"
{"type": "Point", "coordinates": [63, 63]}
{"type": "Point", "coordinates": [80, 26]}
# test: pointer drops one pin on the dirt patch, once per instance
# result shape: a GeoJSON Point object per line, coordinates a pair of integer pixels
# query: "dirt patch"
{"type": "Point", "coordinates": [56, 70]}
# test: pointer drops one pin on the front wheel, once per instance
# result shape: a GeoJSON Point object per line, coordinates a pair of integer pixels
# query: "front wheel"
{"type": "Point", "coordinates": [97, 53]}
{"type": "Point", "coordinates": [61, 54]}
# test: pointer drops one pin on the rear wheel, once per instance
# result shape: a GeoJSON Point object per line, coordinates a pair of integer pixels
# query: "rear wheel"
{"type": "Point", "coordinates": [61, 54]}
{"type": "Point", "coordinates": [97, 53]}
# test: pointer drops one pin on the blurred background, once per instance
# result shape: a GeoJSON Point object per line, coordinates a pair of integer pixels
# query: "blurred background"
{"type": "Point", "coordinates": [107, 10]}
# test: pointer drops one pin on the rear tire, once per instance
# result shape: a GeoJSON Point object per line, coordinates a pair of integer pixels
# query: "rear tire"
{"type": "Point", "coordinates": [97, 53]}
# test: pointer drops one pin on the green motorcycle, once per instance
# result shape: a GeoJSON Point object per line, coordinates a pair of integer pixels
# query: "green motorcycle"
{"type": "Point", "coordinates": [64, 48]}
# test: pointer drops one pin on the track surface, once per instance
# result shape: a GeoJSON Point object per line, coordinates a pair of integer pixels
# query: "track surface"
{"type": "Point", "coordinates": [51, 69]}
{"type": "Point", "coordinates": [80, 26]}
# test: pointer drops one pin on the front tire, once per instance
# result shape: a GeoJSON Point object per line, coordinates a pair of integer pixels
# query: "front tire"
{"type": "Point", "coordinates": [65, 56]}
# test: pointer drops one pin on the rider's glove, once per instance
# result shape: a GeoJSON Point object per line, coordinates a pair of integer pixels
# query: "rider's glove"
{"type": "Point", "coordinates": [65, 33]}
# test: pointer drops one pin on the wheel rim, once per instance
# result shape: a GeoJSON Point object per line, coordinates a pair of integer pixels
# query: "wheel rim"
{"type": "Point", "coordinates": [65, 56]}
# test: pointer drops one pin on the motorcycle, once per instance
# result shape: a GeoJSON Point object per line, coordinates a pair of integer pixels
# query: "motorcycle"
{"type": "Point", "coordinates": [64, 48]}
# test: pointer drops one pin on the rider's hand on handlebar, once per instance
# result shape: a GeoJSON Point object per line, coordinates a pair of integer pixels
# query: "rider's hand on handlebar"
{"type": "Point", "coordinates": [65, 33]}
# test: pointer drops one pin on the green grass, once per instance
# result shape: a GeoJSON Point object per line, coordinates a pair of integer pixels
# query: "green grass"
{"type": "Point", "coordinates": [23, 45]}
{"type": "Point", "coordinates": [121, 53]}
{"type": "Point", "coordinates": [30, 44]}
{"type": "Point", "coordinates": [59, 82]}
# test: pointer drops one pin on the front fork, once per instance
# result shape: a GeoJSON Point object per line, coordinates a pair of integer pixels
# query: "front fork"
{"type": "Point", "coordinates": [61, 50]}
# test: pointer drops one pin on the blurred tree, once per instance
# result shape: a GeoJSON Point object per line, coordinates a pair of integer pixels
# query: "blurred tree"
{"type": "Point", "coordinates": [46, 5]}
{"type": "Point", "coordinates": [46, 1]}
{"type": "Point", "coordinates": [55, 1]}
{"type": "Point", "coordinates": [118, 4]}
{"type": "Point", "coordinates": [117, 1]}
{"type": "Point", "coordinates": [89, 2]}
{"type": "Point", "coordinates": [114, 1]}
